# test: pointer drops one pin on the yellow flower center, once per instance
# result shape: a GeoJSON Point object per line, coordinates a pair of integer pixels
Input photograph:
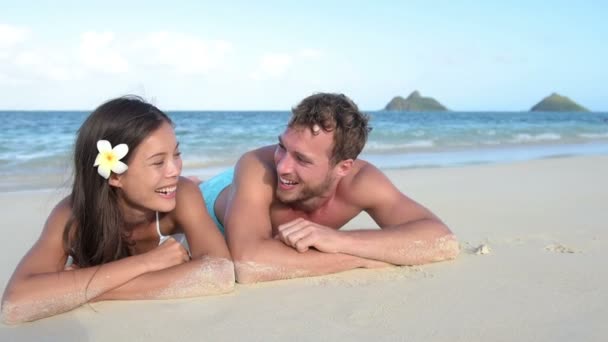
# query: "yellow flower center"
{"type": "Point", "coordinates": [109, 157]}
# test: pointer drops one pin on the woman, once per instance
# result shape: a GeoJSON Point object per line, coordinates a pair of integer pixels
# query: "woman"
{"type": "Point", "coordinates": [126, 201]}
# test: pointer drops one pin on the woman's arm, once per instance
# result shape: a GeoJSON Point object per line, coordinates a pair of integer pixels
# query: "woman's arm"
{"type": "Point", "coordinates": [204, 238]}
{"type": "Point", "coordinates": [40, 287]}
{"type": "Point", "coordinates": [209, 272]}
{"type": "Point", "coordinates": [199, 277]}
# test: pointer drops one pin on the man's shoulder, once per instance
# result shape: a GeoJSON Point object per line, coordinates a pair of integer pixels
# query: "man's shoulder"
{"type": "Point", "coordinates": [363, 179]}
{"type": "Point", "coordinates": [257, 164]}
{"type": "Point", "coordinates": [260, 156]}
{"type": "Point", "coordinates": [363, 172]}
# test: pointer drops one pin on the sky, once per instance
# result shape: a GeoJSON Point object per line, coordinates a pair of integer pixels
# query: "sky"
{"type": "Point", "coordinates": [268, 55]}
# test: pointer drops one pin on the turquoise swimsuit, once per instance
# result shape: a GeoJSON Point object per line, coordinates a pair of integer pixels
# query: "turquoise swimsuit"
{"type": "Point", "coordinates": [211, 190]}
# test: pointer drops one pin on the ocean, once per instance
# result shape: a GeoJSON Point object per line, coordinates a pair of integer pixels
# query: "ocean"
{"type": "Point", "coordinates": [36, 146]}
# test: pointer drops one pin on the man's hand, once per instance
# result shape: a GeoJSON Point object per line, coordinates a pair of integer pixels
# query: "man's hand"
{"type": "Point", "coordinates": [302, 234]}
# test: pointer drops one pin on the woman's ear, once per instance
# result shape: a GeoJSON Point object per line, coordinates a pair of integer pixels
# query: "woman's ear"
{"type": "Point", "coordinates": [115, 180]}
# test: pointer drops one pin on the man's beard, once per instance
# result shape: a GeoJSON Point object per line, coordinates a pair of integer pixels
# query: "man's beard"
{"type": "Point", "coordinates": [306, 193]}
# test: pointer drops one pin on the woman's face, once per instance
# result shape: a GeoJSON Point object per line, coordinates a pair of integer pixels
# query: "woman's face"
{"type": "Point", "coordinates": [154, 169]}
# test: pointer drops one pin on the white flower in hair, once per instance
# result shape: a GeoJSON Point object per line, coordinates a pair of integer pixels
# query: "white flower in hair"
{"type": "Point", "coordinates": [108, 159]}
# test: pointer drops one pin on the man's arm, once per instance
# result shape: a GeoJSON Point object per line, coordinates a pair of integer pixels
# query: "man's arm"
{"type": "Point", "coordinates": [410, 233]}
{"type": "Point", "coordinates": [257, 256]}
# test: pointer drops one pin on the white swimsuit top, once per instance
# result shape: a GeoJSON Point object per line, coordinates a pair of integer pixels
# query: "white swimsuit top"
{"type": "Point", "coordinates": [181, 238]}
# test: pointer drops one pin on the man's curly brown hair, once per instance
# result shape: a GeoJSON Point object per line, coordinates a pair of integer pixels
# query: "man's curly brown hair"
{"type": "Point", "coordinates": [337, 113]}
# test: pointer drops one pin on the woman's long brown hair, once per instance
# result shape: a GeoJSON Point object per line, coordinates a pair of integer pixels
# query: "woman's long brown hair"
{"type": "Point", "coordinates": [95, 233]}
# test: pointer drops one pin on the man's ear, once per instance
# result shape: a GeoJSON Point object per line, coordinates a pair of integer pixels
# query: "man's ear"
{"type": "Point", "coordinates": [115, 180]}
{"type": "Point", "coordinates": [344, 167]}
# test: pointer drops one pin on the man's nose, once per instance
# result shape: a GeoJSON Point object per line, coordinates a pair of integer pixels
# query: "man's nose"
{"type": "Point", "coordinates": [285, 164]}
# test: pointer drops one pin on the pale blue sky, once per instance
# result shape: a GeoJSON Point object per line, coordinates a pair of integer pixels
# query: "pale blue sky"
{"type": "Point", "coordinates": [469, 55]}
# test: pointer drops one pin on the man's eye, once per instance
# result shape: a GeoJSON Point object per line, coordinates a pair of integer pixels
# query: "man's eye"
{"type": "Point", "coordinates": [302, 160]}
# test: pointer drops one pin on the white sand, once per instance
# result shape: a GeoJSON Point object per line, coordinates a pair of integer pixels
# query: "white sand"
{"type": "Point", "coordinates": [544, 224]}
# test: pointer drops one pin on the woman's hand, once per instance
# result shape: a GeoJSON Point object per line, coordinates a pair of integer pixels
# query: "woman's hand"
{"type": "Point", "coordinates": [167, 254]}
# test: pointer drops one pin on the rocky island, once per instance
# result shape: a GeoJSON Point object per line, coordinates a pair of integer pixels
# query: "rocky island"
{"type": "Point", "coordinates": [557, 103]}
{"type": "Point", "coordinates": [415, 103]}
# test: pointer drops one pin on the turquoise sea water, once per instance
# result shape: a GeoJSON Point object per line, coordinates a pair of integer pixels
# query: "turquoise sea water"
{"type": "Point", "coordinates": [39, 143]}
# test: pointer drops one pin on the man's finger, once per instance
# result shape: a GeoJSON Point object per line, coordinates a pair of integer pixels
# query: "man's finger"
{"type": "Point", "coordinates": [305, 243]}
{"type": "Point", "coordinates": [291, 223]}
{"type": "Point", "coordinates": [293, 228]}
{"type": "Point", "coordinates": [296, 235]}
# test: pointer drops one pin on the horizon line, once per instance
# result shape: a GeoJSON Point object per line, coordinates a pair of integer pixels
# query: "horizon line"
{"type": "Point", "coordinates": [289, 110]}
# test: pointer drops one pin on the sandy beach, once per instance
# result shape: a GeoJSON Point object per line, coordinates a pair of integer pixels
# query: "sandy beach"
{"type": "Point", "coordinates": [534, 243]}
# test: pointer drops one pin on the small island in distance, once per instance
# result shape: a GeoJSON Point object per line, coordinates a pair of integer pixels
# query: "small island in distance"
{"type": "Point", "coordinates": [417, 103]}
{"type": "Point", "coordinates": [557, 103]}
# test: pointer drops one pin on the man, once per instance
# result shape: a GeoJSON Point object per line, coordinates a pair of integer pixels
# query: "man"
{"type": "Point", "coordinates": [283, 207]}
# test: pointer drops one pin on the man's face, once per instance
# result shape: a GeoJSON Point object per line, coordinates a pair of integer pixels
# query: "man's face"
{"type": "Point", "coordinates": [303, 165]}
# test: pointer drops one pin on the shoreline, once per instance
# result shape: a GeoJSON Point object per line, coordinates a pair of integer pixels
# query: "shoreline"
{"type": "Point", "coordinates": [37, 149]}
{"type": "Point", "coordinates": [387, 162]}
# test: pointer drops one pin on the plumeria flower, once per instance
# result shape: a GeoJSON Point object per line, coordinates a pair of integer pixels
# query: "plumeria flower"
{"type": "Point", "coordinates": [109, 158]}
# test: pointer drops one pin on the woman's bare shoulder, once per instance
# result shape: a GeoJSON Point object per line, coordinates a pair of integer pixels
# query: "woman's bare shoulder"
{"type": "Point", "coordinates": [188, 198]}
{"type": "Point", "coordinates": [59, 217]}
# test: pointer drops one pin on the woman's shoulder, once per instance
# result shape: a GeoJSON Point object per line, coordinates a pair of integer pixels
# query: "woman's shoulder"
{"type": "Point", "coordinates": [61, 213]}
{"type": "Point", "coordinates": [187, 187]}
{"type": "Point", "coordinates": [57, 220]}
{"type": "Point", "coordinates": [188, 194]}
{"type": "Point", "coordinates": [188, 201]}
